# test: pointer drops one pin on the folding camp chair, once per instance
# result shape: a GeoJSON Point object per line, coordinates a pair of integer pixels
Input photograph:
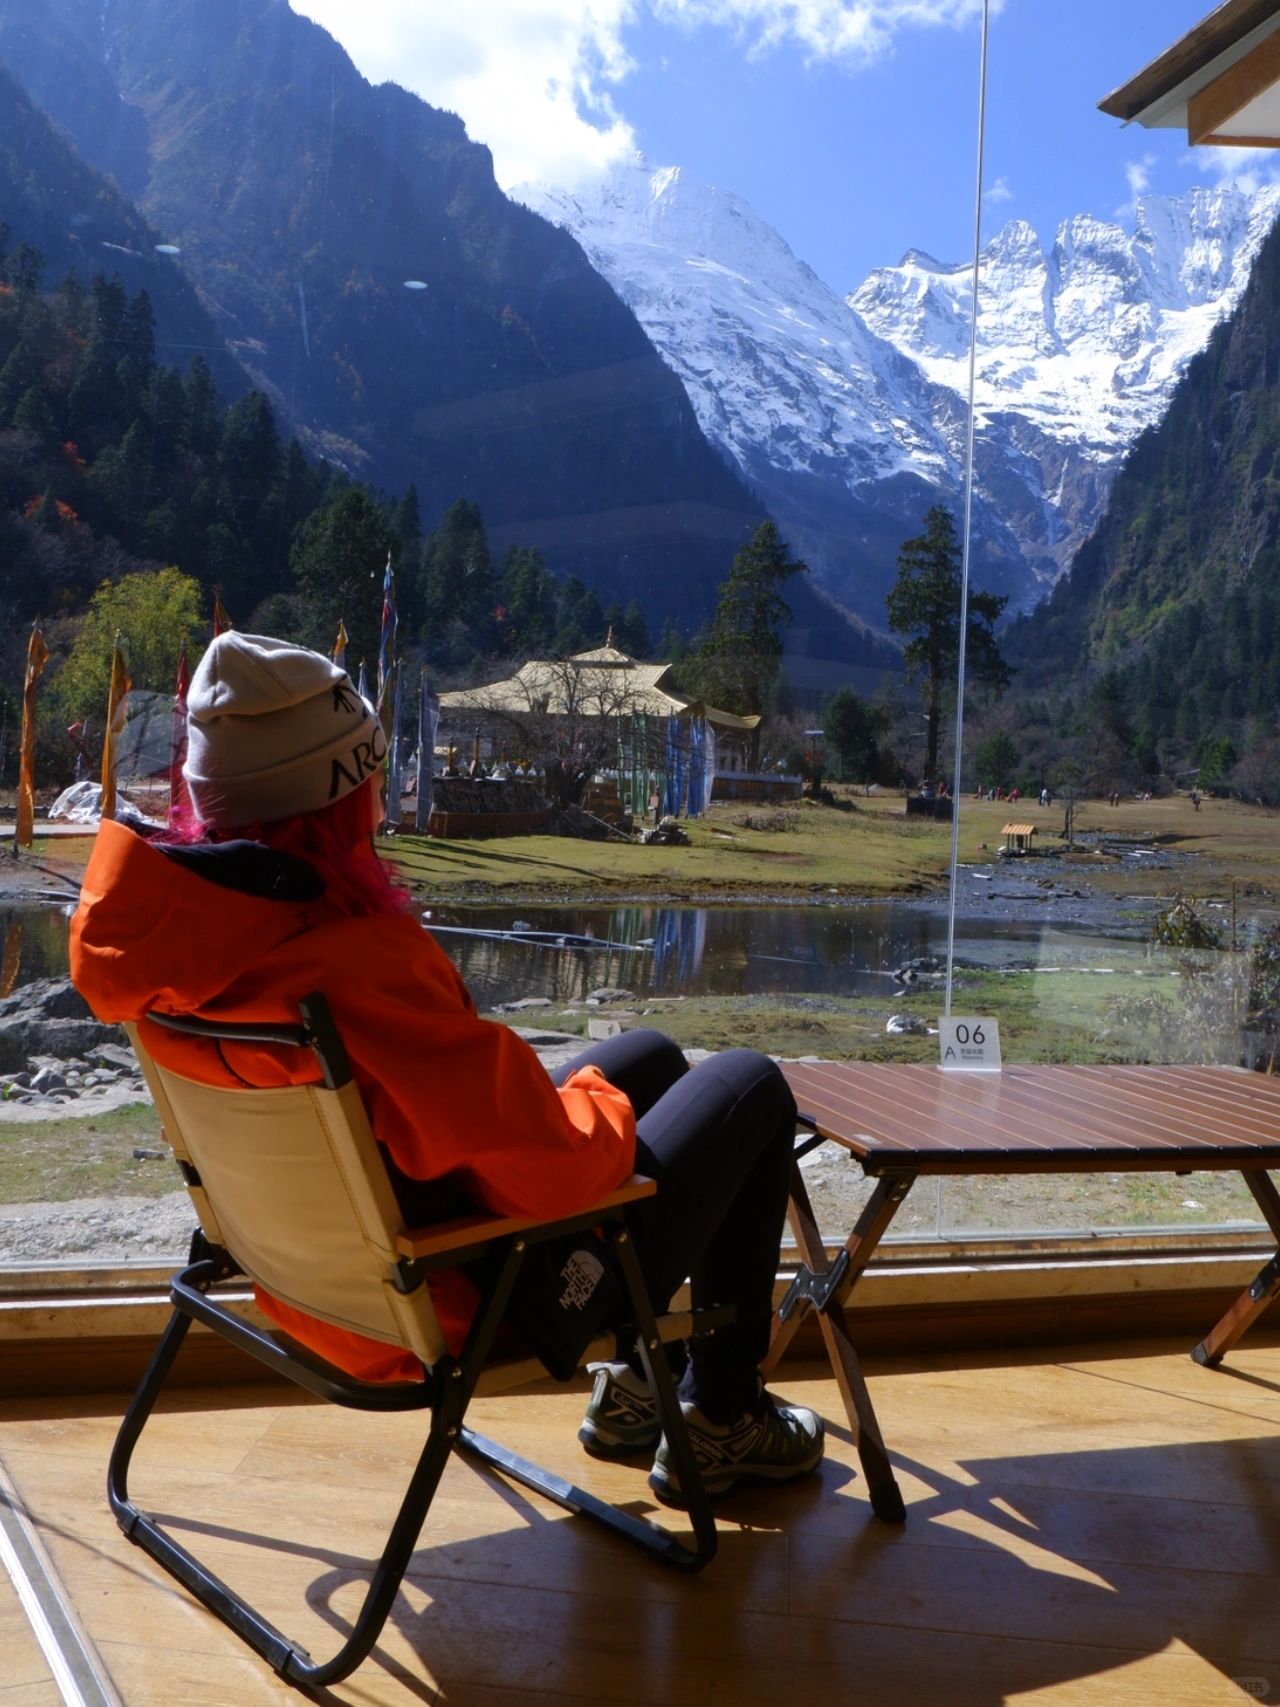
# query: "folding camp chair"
{"type": "Point", "coordinates": [291, 1191]}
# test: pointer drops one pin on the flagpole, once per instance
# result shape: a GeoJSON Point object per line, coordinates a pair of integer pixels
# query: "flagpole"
{"type": "Point", "coordinates": [395, 777]}
{"type": "Point", "coordinates": [116, 697]}
{"type": "Point", "coordinates": [428, 720]}
{"type": "Point", "coordinates": [178, 738]}
{"type": "Point", "coordinates": [387, 638]}
{"type": "Point", "coordinates": [37, 658]}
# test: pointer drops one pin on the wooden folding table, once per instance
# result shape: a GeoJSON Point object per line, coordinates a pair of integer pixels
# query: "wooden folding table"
{"type": "Point", "coordinates": [902, 1121]}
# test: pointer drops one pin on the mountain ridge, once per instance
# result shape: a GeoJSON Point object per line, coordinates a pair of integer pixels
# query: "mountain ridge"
{"type": "Point", "coordinates": [301, 199]}
{"type": "Point", "coordinates": [1079, 350]}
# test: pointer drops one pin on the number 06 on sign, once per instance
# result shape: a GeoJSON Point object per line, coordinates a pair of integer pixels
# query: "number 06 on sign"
{"type": "Point", "coordinates": [969, 1045]}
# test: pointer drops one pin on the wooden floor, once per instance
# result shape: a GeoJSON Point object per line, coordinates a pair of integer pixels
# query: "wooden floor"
{"type": "Point", "coordinates": [1099, 1528]}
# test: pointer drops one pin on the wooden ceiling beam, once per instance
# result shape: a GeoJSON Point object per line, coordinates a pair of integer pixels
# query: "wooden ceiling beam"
{"type": "Point", "coordinates": [1219, 102]}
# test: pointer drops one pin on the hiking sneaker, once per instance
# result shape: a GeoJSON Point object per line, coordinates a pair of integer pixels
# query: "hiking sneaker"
{"type": "Point", "coordinates": [621, 1416]}
{"type": "Point", "coordinates": [771, 1443]}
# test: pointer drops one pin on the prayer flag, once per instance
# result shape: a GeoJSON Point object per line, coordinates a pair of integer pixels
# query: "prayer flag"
{"type": "Point", "coordinates": [116, 701]}
{"type": "Point", "coordinates": [37, 658]}
{"type": "Point", "coordinates": [671, 767]}
{"type": "Point", "coordinates": [178, 739]}
{"type": "Point", "coordinates": [697, 772]}
{"type": "Point", "coordinates": [340, 646]}
{"type": "Point", "coordinates": [387, 643]}
{"type": "Point", "coordinates": [428, 723]}
{"type": "Point", "coordinates": [395, 772]}
{"type": "Point", "coordinates": [221, 621]}
{"type": "Point", "coordinates": [362, 683]}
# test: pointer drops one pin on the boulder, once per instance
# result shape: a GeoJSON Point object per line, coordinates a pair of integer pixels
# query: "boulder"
{"type": "Point", "coordinates": [49, 1016]}
{"type": "Point", "coordinates": [45, 998]}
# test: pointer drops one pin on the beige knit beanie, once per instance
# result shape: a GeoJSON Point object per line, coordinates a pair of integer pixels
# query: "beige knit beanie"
{"type": "Point", "coordinates": [274, 730]}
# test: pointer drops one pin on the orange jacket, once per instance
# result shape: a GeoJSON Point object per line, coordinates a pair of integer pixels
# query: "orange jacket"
{"type": "Point", "coordinates": [448, 1093]}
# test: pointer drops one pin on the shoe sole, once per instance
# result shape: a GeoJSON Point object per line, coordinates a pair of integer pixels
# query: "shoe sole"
{"type": "Point", "coordinates": [596, 1444]}
{"type": "Point", "coordinates": [668, 1490]}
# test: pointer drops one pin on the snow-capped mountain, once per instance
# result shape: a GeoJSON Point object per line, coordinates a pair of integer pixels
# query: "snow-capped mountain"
{"type": "Point", "coordinates": [1078, 349]}
{"type": "Point", "coordinates": [849, 417]}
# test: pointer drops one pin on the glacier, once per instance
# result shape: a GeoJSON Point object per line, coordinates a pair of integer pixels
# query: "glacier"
{"type": "Point", "coordinates": [848, 415]}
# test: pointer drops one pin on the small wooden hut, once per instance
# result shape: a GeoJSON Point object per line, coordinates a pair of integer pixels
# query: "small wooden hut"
{"type": "Point", "coordinates": [1017, 840]}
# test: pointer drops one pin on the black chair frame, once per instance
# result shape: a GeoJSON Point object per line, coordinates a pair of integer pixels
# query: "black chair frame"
{"type": "Point", "coordinates": [444, 1392]}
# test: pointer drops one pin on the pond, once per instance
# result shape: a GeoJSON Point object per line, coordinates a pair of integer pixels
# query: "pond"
{"type": "Point", "coordinates": [655, 950]}
{"type": "Point", "coordinates": [842, 949]}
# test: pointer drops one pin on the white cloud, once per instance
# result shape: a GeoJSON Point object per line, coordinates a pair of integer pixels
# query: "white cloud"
{"type": "Point", "coordinates": [857, 31]}
{"type": "Point", "coordinates": [531, 78]}
{"type": "Point", "coordinates": [537, 80]}
{"type": "Point", "coordinates": [1247, 169]}
{"type": "Point", "coordinates": [1138, 177]}
{"type": "Point", "coordinates": [997, 192]}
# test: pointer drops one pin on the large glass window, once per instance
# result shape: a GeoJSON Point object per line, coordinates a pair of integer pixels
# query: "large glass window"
{"type": "Point", "coordinates": [660, 455]}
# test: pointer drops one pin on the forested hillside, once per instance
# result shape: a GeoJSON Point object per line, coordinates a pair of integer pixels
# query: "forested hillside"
{"type": "Point", "coordinates": [1165, 636]}
{"type": "Point", "coordinates": [354, 259]}
{"type": "Point", "coordinates": [302, 200]}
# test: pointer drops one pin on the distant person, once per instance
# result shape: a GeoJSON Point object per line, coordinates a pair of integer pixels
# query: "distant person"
{"type": "Point", "coordinates": [274, 888]}
{"type": "Point", "coordinates": [1046, 799]}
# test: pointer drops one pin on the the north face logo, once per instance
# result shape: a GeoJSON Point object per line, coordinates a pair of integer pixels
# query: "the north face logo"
{"type": "Point", "coordinates": [581, 1274]}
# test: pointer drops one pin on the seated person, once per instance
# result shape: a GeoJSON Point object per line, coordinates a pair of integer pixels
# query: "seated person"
{"type": "Point", "coordinates": [274, 889]}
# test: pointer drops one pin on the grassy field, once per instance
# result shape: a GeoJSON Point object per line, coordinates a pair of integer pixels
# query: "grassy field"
{"type": "Point", "coordinates": [869, 848]}
{"type": "Point", "coordinates": [1133, 1003]}
{"type": "Point", "coordinates": [51, 1161]}
{"type": "Point", "coordinates": [865, 847]}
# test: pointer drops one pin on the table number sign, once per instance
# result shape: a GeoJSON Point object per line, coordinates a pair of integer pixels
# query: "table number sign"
{"type": "Point", "coordinates": [969, 1045]}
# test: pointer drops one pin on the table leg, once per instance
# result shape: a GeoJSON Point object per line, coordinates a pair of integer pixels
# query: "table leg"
{"type": "Point", "coordinates": [886, 1499]}
{"type": "Point", "coordinates": [1261, 1290]}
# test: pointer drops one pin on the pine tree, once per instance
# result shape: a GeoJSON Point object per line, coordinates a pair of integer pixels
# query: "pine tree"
{"type": "Point", "coordinates": [924, 604]}
{"type": "Point", "coordinates": [741, 654]}
{"type": "Point", "coordinates": [638, 642]}
{"type": "Point", "coordinates": [120, 481]}
{"type": "Point", "coordinates": [33, 415]}
{"type": "Point", "coordinates": [249, 460]}
{"type": "Point", "coordinates": [25, 364]}
{"type": "Point", "coordinates": [527, 594]}
{"type": "Point", "coordinates": [338, 559]}
{"type": "Point", "coordinates": [406, 523]}
{"type": "Point", "coordinates": [204, 410]}
{"type": "Point", "coordinates": [852, 729]}
{"type": "Point", "coordinates": [580, 624]}
{"type": "Point", "coordinates": [672, 643]}
{"type": "Point", "coordinates": [458, 600]}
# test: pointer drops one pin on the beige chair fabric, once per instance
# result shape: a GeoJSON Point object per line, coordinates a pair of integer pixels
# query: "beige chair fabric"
{"type": "Point", "coordinates": [292, 1182]}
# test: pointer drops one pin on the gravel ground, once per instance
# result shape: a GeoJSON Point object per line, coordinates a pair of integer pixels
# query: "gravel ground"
{"type": "Point", "coordinates": [134, 1229]}
{"type": "Point", "coordinates": [149, 1229]}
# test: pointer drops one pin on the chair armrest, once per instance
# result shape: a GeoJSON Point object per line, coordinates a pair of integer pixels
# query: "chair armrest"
{"type": "Point", "coordinates": [469, 1231]}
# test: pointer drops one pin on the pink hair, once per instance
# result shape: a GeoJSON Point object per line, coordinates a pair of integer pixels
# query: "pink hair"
{"type": "Point", "coordinates": [336, 842]}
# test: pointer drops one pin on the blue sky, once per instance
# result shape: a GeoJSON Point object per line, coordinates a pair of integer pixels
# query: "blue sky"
{"type": "Point", "coordinates": [849, 124]}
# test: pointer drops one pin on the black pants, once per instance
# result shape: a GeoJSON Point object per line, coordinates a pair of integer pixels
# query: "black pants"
{"type": "Point", "coordinates": [718, 1139]}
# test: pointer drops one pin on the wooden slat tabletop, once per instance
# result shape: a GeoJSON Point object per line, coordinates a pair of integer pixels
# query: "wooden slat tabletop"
{"type": "Point", "coordinates": [1027, 1119]}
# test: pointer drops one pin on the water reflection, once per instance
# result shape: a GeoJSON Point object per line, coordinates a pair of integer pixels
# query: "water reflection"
{"type": "Point", "coordinates": [722, 951]}
{"type": "Point", "coordinates": [33, 944]}
{"type": "Point", "coordinates": [663, 950]}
